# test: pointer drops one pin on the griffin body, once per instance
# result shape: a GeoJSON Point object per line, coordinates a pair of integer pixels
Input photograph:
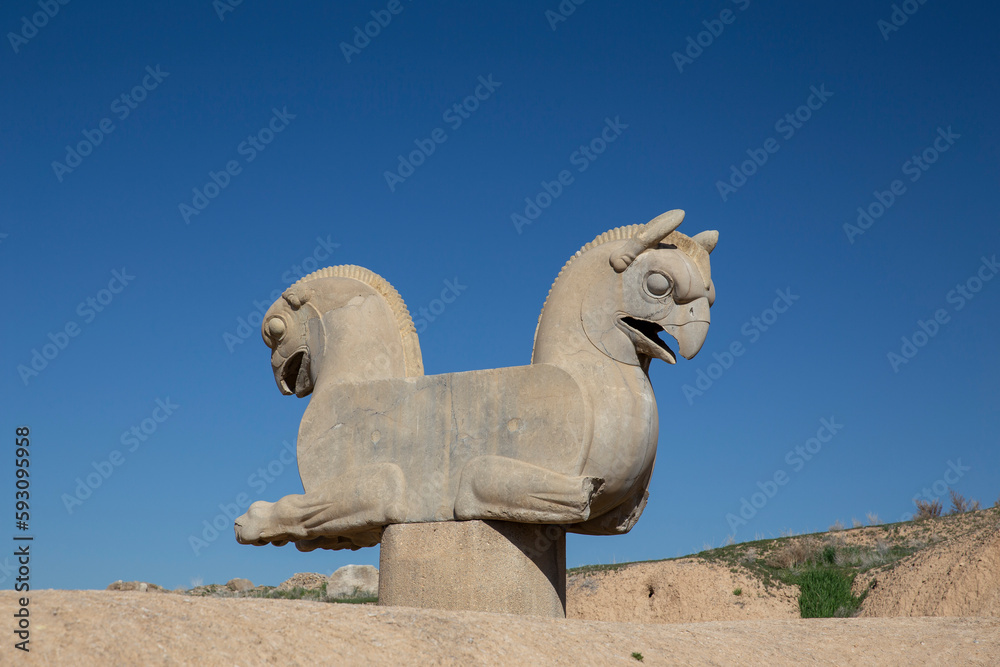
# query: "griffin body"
{"type": "Point", "coordinates": [569, 439]}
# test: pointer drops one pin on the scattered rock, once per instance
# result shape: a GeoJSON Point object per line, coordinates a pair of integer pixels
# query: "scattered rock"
{"type": "Point", "coordinates": [141, 586]}
{"type": "Point", "coordinates": [216, 590]}
{"type": "Point", "coordinates": [353, 581]}
{"type": "Point", "coordinates": [239, 585]}
{"type": "Point", "coordinates": [307, 580]}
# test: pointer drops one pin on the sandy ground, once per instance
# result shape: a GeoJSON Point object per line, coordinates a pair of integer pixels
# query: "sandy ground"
{"type": "Point", "coordinates": [131, 628]}
{"type": "Point", "coordinates": [940, 605]}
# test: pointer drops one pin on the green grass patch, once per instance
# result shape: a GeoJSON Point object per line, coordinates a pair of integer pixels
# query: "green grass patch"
{"type": "Point", "coordinates": [825, 592]}
{"type": "Point", "coordinates": [358, 600]}
{"type": "Point", "coordinates": [611, 567]}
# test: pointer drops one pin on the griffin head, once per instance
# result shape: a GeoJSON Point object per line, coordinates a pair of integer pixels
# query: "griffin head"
{"type": "Point", "coordinates": [286, 331]}
{"type": "Point", "coordinates": [661, 282]}
{"type": "Point", "coordinates": [348, 305]}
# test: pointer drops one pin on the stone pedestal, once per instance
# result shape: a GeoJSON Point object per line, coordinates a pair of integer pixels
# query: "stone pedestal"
{"type": "Point", "coordinates": [496, 566]}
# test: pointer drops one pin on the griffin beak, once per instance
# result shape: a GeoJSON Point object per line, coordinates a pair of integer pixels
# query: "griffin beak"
{"type": "Point", "coordinates": [292, 374]}
{"type": "Point", "coordinates": [688, 324]}
{"type": "Point", "coordinates": [690, 337]}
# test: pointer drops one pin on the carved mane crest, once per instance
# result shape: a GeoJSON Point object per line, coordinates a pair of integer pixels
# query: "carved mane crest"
{"type": "Point", "coordinates": [616, 234]}
{"type": "Point", "coordinates": [408, 333]}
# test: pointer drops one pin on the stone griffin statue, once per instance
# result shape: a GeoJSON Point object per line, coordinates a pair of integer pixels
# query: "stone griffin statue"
{"type": "Point", "coordinates": [569, 439]}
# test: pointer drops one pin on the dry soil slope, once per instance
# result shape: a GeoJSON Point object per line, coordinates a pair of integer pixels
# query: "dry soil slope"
{"type": "Point", "coordinates": [132, 628]}
{"type": "Point", "coordinates": [956, 577]}
{"type": "Point", "coordinates": [676, 591]}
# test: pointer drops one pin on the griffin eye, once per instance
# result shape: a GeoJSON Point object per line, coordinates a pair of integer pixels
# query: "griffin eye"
{"type": "Point", "coordinates": [658, 285]}
{"type": "Point", "coordinates": [275, 328]}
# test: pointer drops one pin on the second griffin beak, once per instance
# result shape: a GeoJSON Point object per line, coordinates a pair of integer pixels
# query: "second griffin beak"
{"type": "Point", "coordinates": [688, 324]}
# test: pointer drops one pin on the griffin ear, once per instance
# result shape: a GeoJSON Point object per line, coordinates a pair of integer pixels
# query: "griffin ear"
{"type": "Point", "coordinates": [295, 299]}
{"type": "Point", "coordinates": [707, 240]}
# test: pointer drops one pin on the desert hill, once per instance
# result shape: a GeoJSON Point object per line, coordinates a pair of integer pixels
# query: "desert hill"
{"type": "Point", "coordinates": [948, 566]}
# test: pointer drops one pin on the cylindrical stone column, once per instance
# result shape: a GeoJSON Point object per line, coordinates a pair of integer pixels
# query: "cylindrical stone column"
{"type": "Point", "coordinates": [497, 566]}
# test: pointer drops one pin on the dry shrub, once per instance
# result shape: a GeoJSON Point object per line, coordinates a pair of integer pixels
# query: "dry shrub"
{"type": "Point", "coordinates": [794, 553]}
{"type": "Point", "coordinates": [835, 541]}
{"type": "Point", "coordinates": [868, 559]}
{"type": "Point", "coordinates": [749, 556]}
{"type": "Point", "coordinates": [873, 519]}
{"type": "Point", "coordinates": [844, 558]}
{"type": "Point", "coordinates": [882, 547]}
{"type": "Point", "coordinates": [927, 509]}
{"type": "Point", "coordinates": [855, 523]}
{"type": "Point", "coordinates": [837, 525]}
{"type": "Point", "coordinates": [959, 505]}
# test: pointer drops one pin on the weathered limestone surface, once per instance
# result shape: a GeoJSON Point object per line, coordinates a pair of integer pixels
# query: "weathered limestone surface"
{"type": "Point", "coordinates": [569, 439]}
{"type": "Point", "coordinates": [497, 566]}
{"type": "Point", "coordinates": [459, 474]}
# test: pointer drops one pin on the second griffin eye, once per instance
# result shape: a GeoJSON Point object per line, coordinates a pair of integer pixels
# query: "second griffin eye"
{"type": "Point", "coordinates": [658, 285]}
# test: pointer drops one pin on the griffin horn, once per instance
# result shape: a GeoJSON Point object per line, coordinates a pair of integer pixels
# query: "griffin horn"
{"type": "Point", "coordinates": [651, 234]}
{"type": "Point", "coordinates": [707, 240]}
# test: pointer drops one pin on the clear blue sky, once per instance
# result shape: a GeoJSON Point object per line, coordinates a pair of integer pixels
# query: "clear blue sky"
{"type": "Point", "coordinates": [268, 91]}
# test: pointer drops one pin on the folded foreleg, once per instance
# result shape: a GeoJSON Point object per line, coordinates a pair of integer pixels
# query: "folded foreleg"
{"type": "Point", "coordinates": [496, 487]}
{"type": "Point", "coordinates": [348, 514]}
